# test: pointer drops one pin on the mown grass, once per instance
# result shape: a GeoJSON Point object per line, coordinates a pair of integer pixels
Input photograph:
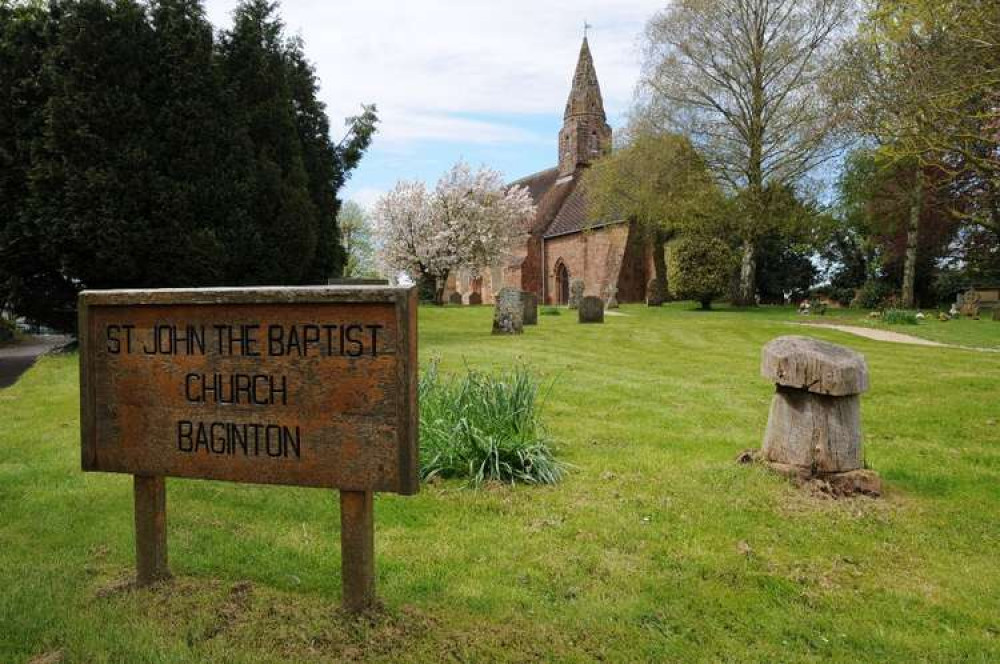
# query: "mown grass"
{"type": "Point", "coordinates": [657, 546]}
{"type": "Point", "coordinates": [963, 331]}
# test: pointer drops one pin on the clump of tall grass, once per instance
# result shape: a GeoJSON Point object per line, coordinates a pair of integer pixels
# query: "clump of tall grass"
{"type": "Point", "coordinates": [484, 427]}
{"type": "Point", "coordinates": [900, 317]}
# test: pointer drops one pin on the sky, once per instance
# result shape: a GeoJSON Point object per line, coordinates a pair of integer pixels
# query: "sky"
{"type": "Point", "coordinates": [483, 81]}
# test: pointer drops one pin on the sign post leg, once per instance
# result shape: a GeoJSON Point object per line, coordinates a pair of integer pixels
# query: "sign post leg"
{"type": "Point", "coordinates": [150, 529]}
{"type": "Point", "coordinates": [357, 549]}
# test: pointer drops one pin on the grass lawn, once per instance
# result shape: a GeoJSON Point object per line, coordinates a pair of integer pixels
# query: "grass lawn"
{"type": "Point", "coordinates": [983, 333]}
{"type": "Point", "coordinates": [656, 547]}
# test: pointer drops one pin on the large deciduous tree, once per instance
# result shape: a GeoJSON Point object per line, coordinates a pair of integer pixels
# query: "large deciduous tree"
{"type": "Point", "coordinates": [356, 241]}
{"type": "Point", "coordinates": [748, 81]}
{"type": "Point", "coordinates": [467, 221]}
{"type": "Point", "coordinates": [926, 74]}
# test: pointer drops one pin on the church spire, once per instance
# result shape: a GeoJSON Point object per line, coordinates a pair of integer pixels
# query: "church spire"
{"type": "Point", "coordinates": [585, 134]}
{"type": "Point", "coordinates": [585, 96]}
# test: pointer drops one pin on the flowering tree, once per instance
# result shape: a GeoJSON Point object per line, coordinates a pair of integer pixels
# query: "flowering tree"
{"type": "Point", "coordinates": [468, 221]}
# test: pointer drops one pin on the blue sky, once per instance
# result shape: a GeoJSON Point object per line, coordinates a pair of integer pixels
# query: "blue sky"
{"type": "Point", "coordinates": [483, 81]}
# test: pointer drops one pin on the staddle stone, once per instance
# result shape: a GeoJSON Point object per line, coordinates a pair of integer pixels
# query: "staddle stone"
{"type": "Point", "coordinates": [591, 310]}
{"type": "Point", "coordinates": [508, 313]}
{"type": "Point", "coordinates": [530, 301]}
{"type": "Point", "coordinates": [815, 366]}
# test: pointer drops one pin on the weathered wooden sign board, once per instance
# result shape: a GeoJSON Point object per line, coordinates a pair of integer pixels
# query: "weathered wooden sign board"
{"type": "Point", "coordinates": [310, 386]}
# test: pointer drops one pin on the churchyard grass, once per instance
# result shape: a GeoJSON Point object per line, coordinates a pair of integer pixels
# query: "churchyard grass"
{"type": "Point", "coordinates": [655, 547]}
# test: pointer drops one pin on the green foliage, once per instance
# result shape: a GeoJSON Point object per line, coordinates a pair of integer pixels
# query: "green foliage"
{"type": "Point", "coordinates": [701, 268]}
{"type": "Point", "coordinates": [144, 151]}
{"type": "Point", "coordinates": [484, 427]}
{"type": "Point", "coordinates": [872, 295]}
{"type": "Point", "coordinates": [357, 242]}
{"type": "Point", "coordinates": [550, 311]}
{"type": "Point", "coordinates": [900, 317]}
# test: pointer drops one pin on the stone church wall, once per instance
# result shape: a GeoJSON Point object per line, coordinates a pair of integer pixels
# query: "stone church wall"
{"type": "Point", "coordinates": [586, 256]}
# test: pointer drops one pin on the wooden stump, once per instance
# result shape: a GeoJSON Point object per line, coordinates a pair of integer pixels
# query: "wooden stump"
{"type": "Point", "coordinates": [814, 426]}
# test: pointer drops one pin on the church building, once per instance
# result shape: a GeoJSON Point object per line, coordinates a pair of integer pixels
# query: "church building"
{"type": "Point", "coordinates": [564, 242]}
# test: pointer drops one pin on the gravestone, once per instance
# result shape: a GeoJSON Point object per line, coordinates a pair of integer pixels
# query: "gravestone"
{"type": "Point", "coordinates": [591, 310]}
{"type": "Point", "coordinates": [996, 314]}
{"type": "Point", "coordinates": [475, 298]}
{"type": "Point", "coordinates": [508, 312]}
{"type": "Point", "coordinates": [814, 427]}
{"type": "Point", "coordinates": [970, 303]}
{"type": "Point", "coordinates": [530, 307]}
{"type": "Point", "coordinates": [576, 288]}
{"type": "Point", "coordinates": [238, 384]}
{"type": "Point", "coordinates": [612, 301]}
{"type": "Point", "coordinates": [655, 293]}
{"type": "Point", "coordinates": [455, 298]}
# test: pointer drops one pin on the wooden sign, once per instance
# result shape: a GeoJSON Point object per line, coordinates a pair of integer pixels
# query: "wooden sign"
{"type": "Point", "coordinates": [308, 386]}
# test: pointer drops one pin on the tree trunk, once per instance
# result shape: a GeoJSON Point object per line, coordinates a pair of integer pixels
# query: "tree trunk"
{"type": "Point", "coordinates": [746, 291]}
{"type": "Point", "coordinates": [439, 286]}
{"type": "Point", "coordinates": [912, 237]}
{"type": "Point", "coordinates": [658, 289]}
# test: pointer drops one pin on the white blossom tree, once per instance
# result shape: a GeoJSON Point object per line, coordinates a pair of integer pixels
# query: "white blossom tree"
{"type": "Point", "coordinates": [468, 221]}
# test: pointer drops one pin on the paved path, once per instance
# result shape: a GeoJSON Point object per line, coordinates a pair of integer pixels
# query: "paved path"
{"type": "Point", "coordinates": [893, 337]}
{"type": "Point", "coordinates": [18, 358]}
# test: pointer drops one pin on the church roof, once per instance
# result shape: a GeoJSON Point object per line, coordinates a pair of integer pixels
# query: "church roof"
{"type": "Point", "coordinates": [574, 215]}
{"type": "Point", "coordinates": [538, 183]}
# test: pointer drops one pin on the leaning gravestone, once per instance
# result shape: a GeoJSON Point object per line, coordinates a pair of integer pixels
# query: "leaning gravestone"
{"type": "Point", "coordinates": [814, 428]}
{"type": "Point", "coordinates": [530, 301]}
{"type": "Point", "coordinates": [591, 310]}
{"type": "Point", "coordinates": [475, 298]}
{"type": "Point", "coordinates": [576, 288]}
{"type": "Point", "coordinates": [455, 298]}
{"type": "Point", "coordinates": [508, 313]}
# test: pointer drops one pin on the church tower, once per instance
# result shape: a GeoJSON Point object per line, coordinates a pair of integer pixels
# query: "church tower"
{"type": "Point", "coordinates": [585, 135]}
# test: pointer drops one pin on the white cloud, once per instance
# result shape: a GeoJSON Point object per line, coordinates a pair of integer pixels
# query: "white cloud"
{"type": "Point", "coordinates": [366, 197]}
{"type": "Point", "coordinates": [423, 61]}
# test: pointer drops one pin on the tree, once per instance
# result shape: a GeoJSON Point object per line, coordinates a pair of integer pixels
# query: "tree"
{"type": "Point", "coordinates": [468, 221]}
{"type": "Point", "coordinates": [357, 246]}
{"type": "Point", "coordinates": [926, 74]}
{"type": "Point", "coordinates": [747, 80]}
{"type": "Point", "coordinates": [660, 182]}
{"type": "Point", "coordinates": [701, 268]}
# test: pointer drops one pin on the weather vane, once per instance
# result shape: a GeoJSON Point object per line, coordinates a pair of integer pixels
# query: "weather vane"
{"type": "Point", "coordinates": [586, 27]}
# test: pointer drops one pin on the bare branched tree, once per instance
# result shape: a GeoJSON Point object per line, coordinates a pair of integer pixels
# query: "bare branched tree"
{"type": "Point", "coordinates": [749, 82]}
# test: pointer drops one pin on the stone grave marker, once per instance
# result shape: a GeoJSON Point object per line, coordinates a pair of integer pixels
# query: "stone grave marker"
{"type": "Point", "coordinates": [576, 288]}
{"type": "Point", "coordinates": [814, 427]}
{"type": "Point", "coordinates": [612, 301]}
{"type": "Point", "coordinates": [455, 298]}
{"type": "Point", "coordinates": [530, 307]}
{"type": "Point", "coordinates": [508, 312]}
{"type": "Point", "coordinates": [313, 387]}
{"type": "Point", "coordinates": [591, 310]}
{"type": "Point", "coordinates": [475, 298]}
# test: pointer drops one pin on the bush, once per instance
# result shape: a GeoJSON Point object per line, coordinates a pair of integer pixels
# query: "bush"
{"type": "Point", "coordinates": [701, 268]}
{"type": "Point", "coordinates": [550, 311]}
{"type": "Point", "coordinates": [872, 295]}
{"type": "Point", "coordinates": [484, 427]}
{"type": "Point", "coordinates": [900, 317]}
{"type": "Point", "coordinates": [7, 330]}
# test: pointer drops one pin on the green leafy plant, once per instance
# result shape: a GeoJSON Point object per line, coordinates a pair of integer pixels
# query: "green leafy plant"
{"type": "Point", "coordinates": [900, 317]}
{"type": "Point", "coordinates": [484, 427]}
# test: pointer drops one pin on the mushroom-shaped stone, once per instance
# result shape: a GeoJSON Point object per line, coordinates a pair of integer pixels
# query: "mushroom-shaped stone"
{"type": "Point", "coordinates": [815, 419]}
{"type": "Point", "coordinates": [815, 366]}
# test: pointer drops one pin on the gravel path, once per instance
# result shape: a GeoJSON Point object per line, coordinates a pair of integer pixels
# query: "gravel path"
{"type": "Point", "coordinates": [18, 358]}
{"type": "Point", "coordinates": [893, 337]}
